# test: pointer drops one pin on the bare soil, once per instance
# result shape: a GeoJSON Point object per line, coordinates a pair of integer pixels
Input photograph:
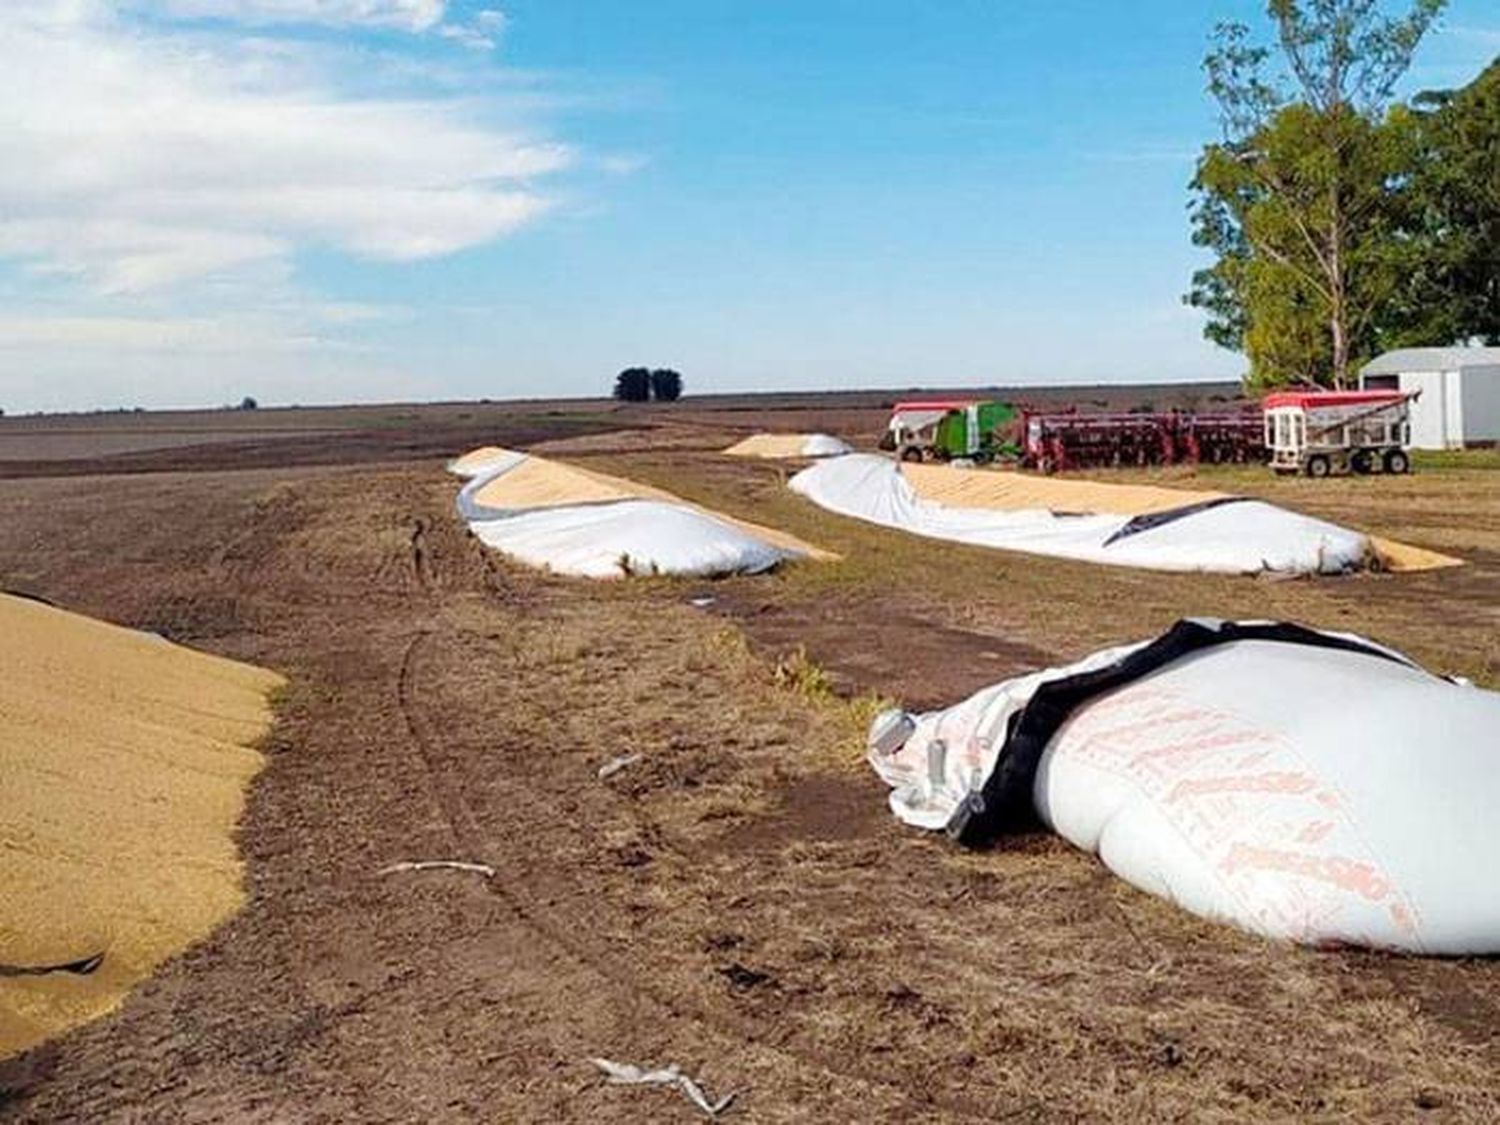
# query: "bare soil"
{"type": "Point", "coordinates": [737, 900]}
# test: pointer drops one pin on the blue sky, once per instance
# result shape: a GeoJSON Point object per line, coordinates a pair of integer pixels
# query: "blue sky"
{"type": "Point", "coordinates": [331, 200]}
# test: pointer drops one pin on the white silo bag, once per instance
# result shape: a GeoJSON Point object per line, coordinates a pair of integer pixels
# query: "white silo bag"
{"type": "Point", "coordinates": [1301, 785]}
{"type": "Point", "coordinates": [628, 538]}
{"type": "Point", "coordinates": [1228, 535]}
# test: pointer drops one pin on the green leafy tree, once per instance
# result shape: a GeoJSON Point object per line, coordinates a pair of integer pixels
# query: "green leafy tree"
{"type": "Point", "coordinates": [633, 384]}
{"type": "Point", "coordinates": [1293, 201]}
{"type": "Point", "coordinates": [1450, 290]}
{"type": "Point", "coordinates": [666, 385]}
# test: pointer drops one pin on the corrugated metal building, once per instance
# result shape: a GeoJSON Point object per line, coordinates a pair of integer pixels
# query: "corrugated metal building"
{"type": "Point", "coordinates": [1460, 393]}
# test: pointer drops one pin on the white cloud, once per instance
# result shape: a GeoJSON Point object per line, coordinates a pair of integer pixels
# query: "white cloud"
{"type": "Point", "coordinates": [481, 34]}
{"type": "Point", "coordinates": [134, 159]}
{"type": "Point", "coordinates": [167, 166]}
{"type": "Point", "coordinates": [404, 15]}
{"type": "Point", "coordinates": [74, 333]}
{"type": "Point", "coordinates": [469, 36]}
{"type": "Point", "coordinates": [622, 163]}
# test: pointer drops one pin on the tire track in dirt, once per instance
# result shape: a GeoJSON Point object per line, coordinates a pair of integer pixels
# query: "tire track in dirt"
{"type": "Point", "coordinates": [420, 564]}
{"type": "Point", "coordinates": [566, 929]}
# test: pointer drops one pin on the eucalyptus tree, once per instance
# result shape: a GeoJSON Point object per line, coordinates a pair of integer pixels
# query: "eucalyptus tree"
{"type": "Point", "coordinates": [1295, 198]}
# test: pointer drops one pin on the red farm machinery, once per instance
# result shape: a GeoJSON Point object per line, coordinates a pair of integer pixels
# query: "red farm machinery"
{"type": "Point", "coordinates": [1057, 441]}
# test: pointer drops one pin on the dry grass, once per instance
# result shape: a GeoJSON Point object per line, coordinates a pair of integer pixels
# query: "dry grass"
{"type": "Point", "coordinates": [1447, 619]}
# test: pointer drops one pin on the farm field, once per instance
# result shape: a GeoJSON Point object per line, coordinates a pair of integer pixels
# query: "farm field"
{"type": "Point", "coordinates": [738, 900]}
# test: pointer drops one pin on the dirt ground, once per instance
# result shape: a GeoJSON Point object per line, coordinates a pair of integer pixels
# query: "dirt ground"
{"type": "Point", "coordinates": [737, 900]}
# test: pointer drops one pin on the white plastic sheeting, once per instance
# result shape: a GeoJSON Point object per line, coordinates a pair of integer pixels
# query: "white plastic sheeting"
{"type": "Point", "coordinates": [825, 445]}
{"type": "Point", "coordinates": [625, 538]}
{"type": "Point", "coordinates": [1326, 796]}
{"type": "Point", "coordinates": [1241, 537]}
{"type": "Point", "coordinates": [611, 538]}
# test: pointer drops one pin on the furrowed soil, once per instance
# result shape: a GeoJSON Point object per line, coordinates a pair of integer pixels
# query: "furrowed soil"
{"type": "Point", "coordinates": [736, 899]}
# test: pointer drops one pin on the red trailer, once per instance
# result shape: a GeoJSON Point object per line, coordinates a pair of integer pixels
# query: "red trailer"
{"type": "Point", "coordinates": [1323, 432]}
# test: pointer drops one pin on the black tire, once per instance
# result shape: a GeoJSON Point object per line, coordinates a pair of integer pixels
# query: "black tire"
{"type": "Point", "coordinates": [1396, 461]}
{"type": "Point", "coordinates": [1362, 461]}
{"type": "Point", "coordinates": [1319, 466]}
{"type": "Point", "coordinates": [912, 453]}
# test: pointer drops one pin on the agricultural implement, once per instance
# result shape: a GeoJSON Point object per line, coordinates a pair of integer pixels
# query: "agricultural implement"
{"type": "Point", "coordinates": [1052, 441]}
{"type": "Point", "coordinates": [1068, 440]}
{"type": "Point", "coordinates": [1324, 432]}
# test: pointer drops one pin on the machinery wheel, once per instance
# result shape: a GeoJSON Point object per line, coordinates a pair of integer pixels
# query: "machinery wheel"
{"type": "Point", "coordinates": [1362, 461]}
{"type": "Point", "coordinates": [1396, 461]}
{"type": "Point", "coordinates": [1318, 465]}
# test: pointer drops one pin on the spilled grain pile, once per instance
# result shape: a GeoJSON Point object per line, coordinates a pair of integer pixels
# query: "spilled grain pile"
{"type": "Point", "coordinates": [786, 446]}
{"type": "Point", "coordinates": [124, 765]}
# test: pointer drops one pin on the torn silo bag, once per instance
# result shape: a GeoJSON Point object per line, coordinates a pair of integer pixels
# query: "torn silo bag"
{"type": "Point", "coordinates": [1227, 535]}
{"type": "Point", "coordinates": [628, 538]}
{"type": "Point", "coordinates": [571, 520]}
{"type": "Point", "coordinates": [1299, 784]}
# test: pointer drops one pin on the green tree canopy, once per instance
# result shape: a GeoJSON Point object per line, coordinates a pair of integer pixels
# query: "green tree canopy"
{"type": "Point", "coordinates": [666, 385]}
{"type": "Point", "coordinates": [1294, 201]}
{"type": "Point", "coordinates": [633, 384]}
{"type": "Point", "coordinates": [1450, 290]}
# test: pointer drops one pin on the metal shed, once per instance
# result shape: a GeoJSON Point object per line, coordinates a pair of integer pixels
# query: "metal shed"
{"type": "Point", "coordinates": [1459, 388]}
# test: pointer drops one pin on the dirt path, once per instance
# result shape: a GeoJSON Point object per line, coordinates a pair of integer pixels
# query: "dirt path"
{"type": "Point", "coordinates": [736, 901]}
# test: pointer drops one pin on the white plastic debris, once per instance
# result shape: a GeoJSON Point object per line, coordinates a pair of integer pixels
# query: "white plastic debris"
{"type": "Point", "coordinates": [615, 765]}
{"type": "Point", "coordinates": [439, 865]}
{"type": "Point", "coordinates": [624, 1074]}
{"type": "Point", "coordinates": [889, 731]}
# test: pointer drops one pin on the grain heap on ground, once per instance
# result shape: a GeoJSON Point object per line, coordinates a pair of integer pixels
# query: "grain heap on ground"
{"type": "Point", "coordinates": [788, 446]}
{"type": "Point", "coordinates": [125, 761]}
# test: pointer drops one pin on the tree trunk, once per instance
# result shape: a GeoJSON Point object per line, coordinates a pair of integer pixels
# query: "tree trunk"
{"type": "Point", "coordinates": [1340, 344]}
{"type": "Point", "coordinates": [1338, 312]}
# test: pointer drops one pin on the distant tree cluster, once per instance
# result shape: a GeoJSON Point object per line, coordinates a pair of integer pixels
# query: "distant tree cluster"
{"type": "Point", "coordinates": [641, 384]}
{"type": "Point", "coordinates": [1343, 222]}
